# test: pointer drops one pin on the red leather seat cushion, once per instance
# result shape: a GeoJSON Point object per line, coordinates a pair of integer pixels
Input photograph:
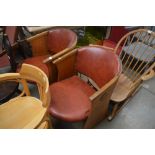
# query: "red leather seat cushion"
{"type": "Point", "coordinates": [4, 61]}
{"type": "Point", "coordinates": [70, 99]}
{"type": "Point", "coordinates": [111, 44]}
{"type": "Point", "coordinates": [38, 62]}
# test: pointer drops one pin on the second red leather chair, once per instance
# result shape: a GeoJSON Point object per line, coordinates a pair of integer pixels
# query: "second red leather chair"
{"type": "Point", "coordinates": [86, 79]}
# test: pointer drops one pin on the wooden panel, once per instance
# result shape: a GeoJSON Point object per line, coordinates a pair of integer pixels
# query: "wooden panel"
{"type": "Point", "coordinates": [100, 102]}
{"type": "Point", "coordinates": [39, 44]}
{"type": "Point", "coordinates": [65, 65]}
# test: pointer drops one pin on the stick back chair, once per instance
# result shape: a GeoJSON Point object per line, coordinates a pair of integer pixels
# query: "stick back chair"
{"type": "Point", "coordinates": [25, 111]}
{"type": "Point", "coordinates": [138, 59]}
{"type": "Point", "coordinates": [86, 79]}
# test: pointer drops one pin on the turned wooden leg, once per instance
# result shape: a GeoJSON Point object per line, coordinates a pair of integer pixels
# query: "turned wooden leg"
{"type": "Point", "coordinates": [114, 110]}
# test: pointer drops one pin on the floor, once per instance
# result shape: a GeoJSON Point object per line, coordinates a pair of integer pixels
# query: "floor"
{"type": "Point", "coordinates": [138, 113]}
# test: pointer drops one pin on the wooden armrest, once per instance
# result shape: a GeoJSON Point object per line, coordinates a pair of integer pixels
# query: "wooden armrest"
{"type": "Point", "coordinates": [37, 36]}
{"type": "Point", "coordinates": [109, 48]}
{"type": "Point", "coordinates": [148, 76]}
{"type": "Point", "coordinates": [37, 29]}
{"type": "Point", "coordinates": [65, 65]}
{"type": "Point", "coordinates": [104, 88]}
{"type": "Point", "coordinates": [9, 76]}
{"type": "Point", "coordinates": [2, 53]}
{"type": "Point", "coordinates": [55, 56]}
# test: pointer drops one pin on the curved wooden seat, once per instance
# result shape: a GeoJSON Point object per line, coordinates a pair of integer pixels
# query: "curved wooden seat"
{"type": "Point", "coordinates": [21, 112]}
{"type": "Point", "coordinates": [25, 111]}
{"type": "Point", "coordinates": [122, 89]}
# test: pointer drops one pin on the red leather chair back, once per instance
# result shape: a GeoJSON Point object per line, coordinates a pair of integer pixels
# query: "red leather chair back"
{"type": "Point", "coordinates": [117, 32]}
{"type": "Point", "coordinates": [98, 64]}
{"type": "Point", "coordinates": [12, 32]}
{"type": "Point", "coordinates": [59, 39]}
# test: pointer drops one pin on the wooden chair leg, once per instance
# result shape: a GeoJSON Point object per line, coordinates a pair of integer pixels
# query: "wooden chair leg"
{"type": "Point", "coordinates": [45, 123]}
{"type": "Point", "coordinates": [114, 111]}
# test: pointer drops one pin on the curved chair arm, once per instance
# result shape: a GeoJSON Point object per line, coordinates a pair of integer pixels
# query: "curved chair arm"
{"type": "Point", "coordinates": [55, 56]}
{"type": "Point", "coordinates": [104, 88]}
{"type": "Point", "coordinates": [108, 48]}
{"type": "Point", "coordinates": [17, 78]}
{"type": "Point", "coordinates": [2, 53]}
{"type": "Point", "coordinates": [148, 76]}
{"type": "Point", "coordinates": [9, 76]}
{"type": "Point", "coordinates": [37, 36]}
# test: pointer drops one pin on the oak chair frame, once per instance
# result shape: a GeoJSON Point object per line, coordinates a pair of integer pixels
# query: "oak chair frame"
{"type": "Point", "coordinates": [26, 74]}
{"type": "Point", "coordinates": [138, 71]}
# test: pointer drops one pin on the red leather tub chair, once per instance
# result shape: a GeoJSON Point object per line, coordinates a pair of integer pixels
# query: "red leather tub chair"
{"type": "Point", "coordinates": [86, 79]}
{"type": "Point", "coordinates": [49, 45]}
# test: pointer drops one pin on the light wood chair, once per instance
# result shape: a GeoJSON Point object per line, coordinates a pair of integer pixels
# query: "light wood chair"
{"type": "Point", "coordinates": [86, 79]}
{"type": "Point", "coordinates": [138, 60]}
{"type": "Point", "coordinates": [25, 111]}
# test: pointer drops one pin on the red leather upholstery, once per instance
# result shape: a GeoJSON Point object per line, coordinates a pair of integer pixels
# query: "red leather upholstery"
{"type": "Point", "coordinates": [117, 32]}
{"type": "Point", "coordinates": [70, 99]}
{"type": "Point", "coordinates": [59, 39]}
{"type": "Point", "coordinates": [111, 44]}
{"type": "Point", "coordinates": [12, 32]}
{"type": "Point", "coordinates": [98, 64]}
{"type": "Point", "coordinates": [4, 61]}
{"type": "Point", "coordinates": [38, 62]}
